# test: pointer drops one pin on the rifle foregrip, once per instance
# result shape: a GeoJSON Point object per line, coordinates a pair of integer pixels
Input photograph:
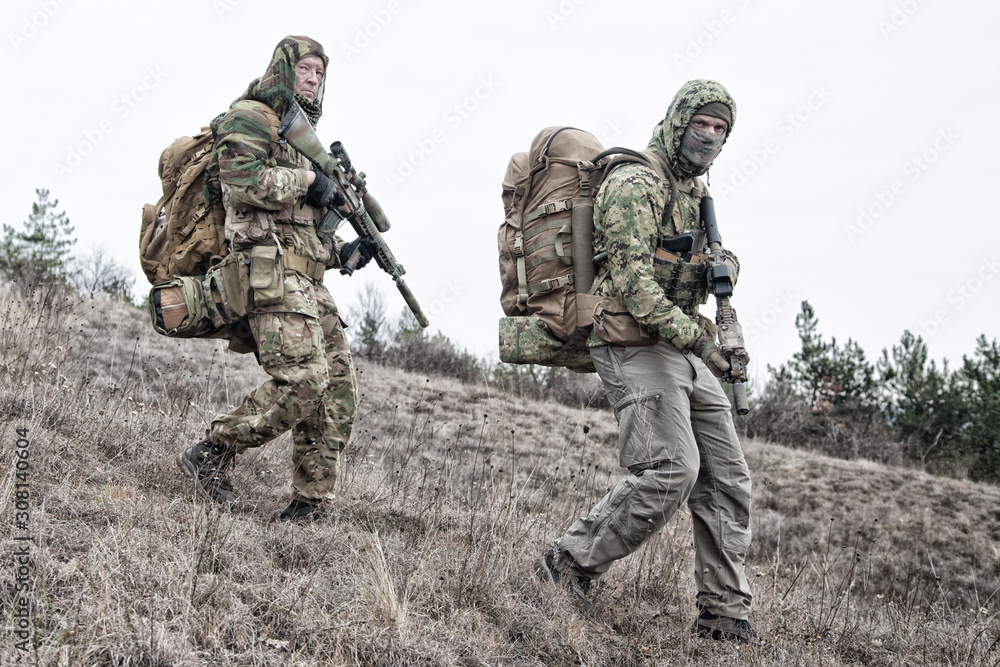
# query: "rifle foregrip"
{"type": "Point", "coordinates": [351, 265]}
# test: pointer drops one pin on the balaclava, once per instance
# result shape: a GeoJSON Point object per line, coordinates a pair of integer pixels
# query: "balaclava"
{"type": "Point", "coordinates": [689, 152]}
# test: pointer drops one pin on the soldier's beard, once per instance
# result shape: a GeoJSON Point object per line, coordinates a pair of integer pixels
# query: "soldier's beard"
{"type": "Point", "coordinates": [700, 148]}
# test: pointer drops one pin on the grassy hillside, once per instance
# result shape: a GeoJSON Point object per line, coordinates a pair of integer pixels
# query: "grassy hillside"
{"type": "Point", "coordinates": [450, 492]}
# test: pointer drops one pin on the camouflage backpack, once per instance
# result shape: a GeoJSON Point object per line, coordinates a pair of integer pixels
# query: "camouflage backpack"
{"type": "Point", "coordinates": [546, 252]}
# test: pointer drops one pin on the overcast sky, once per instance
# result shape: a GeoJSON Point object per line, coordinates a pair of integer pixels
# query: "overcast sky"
{"type": "Point", "coordinates": [860, 174]}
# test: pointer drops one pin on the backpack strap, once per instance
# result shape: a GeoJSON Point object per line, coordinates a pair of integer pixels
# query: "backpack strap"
{"type": "Point", "coordinates": [522, 271]}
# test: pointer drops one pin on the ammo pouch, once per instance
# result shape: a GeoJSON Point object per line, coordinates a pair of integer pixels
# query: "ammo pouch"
{"type": "Point", "coordinates": [685, 282]}
{"type": "Point", "coordinates": [227, 289]}
{"type": "Point", "coordinates": [178, 309]}
{"type": "Point", "coordinates": [267, 275]}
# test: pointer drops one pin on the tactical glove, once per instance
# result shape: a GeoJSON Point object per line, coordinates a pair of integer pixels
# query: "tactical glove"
{"type": "Point", "coordinates": [323, 193]}
{"type": "Point", "coordinates": [709, 352]}
{"type": "Point", "coordinates": [366, 247]}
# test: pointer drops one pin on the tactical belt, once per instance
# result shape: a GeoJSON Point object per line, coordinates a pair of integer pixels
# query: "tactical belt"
{"type": "Point", "coordinates": [307, 267]}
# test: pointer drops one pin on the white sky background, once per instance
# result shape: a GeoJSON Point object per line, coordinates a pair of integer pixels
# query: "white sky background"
{"type": "Point", "coordinates": [836, 101]}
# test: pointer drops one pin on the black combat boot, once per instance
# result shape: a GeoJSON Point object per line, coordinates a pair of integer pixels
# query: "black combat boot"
{"type": "Point", "coordinates": [208, 464]}
{"type": "Point", "coordinates": [576, 586]}
{"type": "Point", "coordinates": [301, 509]}
{"type": "Point", "coordinates": [723, 628]}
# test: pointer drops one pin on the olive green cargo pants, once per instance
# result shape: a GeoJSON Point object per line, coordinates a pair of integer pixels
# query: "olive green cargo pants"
{"type": "Point", "coordinates": [312, 390]}
{"type": "Point", "coordinates": [678, 442]}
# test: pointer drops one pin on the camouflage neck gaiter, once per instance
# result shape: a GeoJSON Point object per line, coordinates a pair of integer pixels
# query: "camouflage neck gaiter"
{"type": "Point", "coordinates": [668, 136]}
{"type": "Point", "coordinates": [313, 110]}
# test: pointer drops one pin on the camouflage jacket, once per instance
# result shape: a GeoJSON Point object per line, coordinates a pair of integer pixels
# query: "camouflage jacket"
{"type": "Point", "coordinates": [629, 223]}
{"type": "Point", "coordinates": [262, 180]}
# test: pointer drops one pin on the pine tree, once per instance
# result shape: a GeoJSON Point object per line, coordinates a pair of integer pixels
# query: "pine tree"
{"type": "Point", "coordinates": [979, 386]}
{"type": "Point", "coordinates": [40, 252]}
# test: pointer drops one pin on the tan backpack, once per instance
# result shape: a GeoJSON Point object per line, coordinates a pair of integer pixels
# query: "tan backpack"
{"type": "Point", "coordinates": [182, 238]}
{"type": "Point", "coordinates": [182, 234]}
{"type": "Point", "coordinates": [546, 252]}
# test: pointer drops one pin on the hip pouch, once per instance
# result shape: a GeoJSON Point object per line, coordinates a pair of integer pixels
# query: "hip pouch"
{"type": "Point", "coordinates": [227, 289]}
{"type": "Point", "coordinates": [267, 276]}
{"type": "Point", "coordinates": [611, 321]}
{"type": "Point", "coordinates": [178, 309]}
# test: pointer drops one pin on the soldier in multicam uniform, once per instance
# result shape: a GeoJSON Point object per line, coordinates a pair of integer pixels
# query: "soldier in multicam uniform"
{"type": "Point", "coordinates": [273, 197]}
{"type": "Point", "coordinates": [676, 431]}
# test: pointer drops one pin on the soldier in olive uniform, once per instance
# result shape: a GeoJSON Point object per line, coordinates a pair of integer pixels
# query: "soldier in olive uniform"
{"type": "Point", "coordinates": [676, 432]}
{"type": "Point", "coordinates": [272, 196]}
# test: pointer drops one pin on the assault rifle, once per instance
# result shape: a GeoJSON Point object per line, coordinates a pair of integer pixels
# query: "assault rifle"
{"type": "Point", "coordinates": [360, 208]}
{"type": "Point", "coordinates": [730, 331]}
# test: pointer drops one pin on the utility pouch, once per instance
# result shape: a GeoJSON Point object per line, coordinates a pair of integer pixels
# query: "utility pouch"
{"type": "Point", "coordinates": [528, 340]}
{"type": "Point", "coordinates": [267, 277]}
{"type": "Point", "coordinates": [177, 308]}
{"type": "Point", "coordinates": [612, 321]}
{"type": "Point", "coordinates": [227, 288]}
{"type": "Point", "coordinates": [244, 228]}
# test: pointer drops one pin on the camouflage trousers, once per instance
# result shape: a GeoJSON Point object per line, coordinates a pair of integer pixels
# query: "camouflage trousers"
{"type": "Point", "coordinates": [312, 390]}
{"type": "Point", "coordinates": [678, 443]}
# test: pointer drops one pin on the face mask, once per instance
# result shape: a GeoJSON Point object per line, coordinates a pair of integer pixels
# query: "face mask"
{"type": "Point", "coordinates": [701, 148]}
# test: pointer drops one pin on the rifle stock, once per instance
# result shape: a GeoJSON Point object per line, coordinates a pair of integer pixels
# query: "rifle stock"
{"type": "Point", "coordinates": [730, 331]}
{"type": "Point", "coordinates": [360, 208]}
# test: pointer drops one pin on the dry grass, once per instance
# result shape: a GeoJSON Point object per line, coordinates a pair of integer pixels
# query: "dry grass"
{"type": "Point", "coordinates": [450, 492]}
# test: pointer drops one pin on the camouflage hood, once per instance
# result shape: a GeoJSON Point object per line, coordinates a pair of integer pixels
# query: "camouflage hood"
{"type": "Point", "coordinates": [666, 140]}
{"type": "Point", "coordinates": [276, 88]}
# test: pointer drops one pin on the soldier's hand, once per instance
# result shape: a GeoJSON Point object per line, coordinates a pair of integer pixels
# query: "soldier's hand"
{"type": "Point", "coordinates": [366, 250]}
{"type": "Point", "coordinates": [710, 353]}
{"type": "Point", "coordinates": [323, 193]}
{"type": "Point", "coordinates": [740, 353]}
{"type": "Point", "coordinates": [738, 359]}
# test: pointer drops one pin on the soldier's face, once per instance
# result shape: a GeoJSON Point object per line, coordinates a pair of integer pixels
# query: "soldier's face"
{"type": "Point", "coordinates": [703, 140]}
{"type": "Point", "coordinates": [308, 76]}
